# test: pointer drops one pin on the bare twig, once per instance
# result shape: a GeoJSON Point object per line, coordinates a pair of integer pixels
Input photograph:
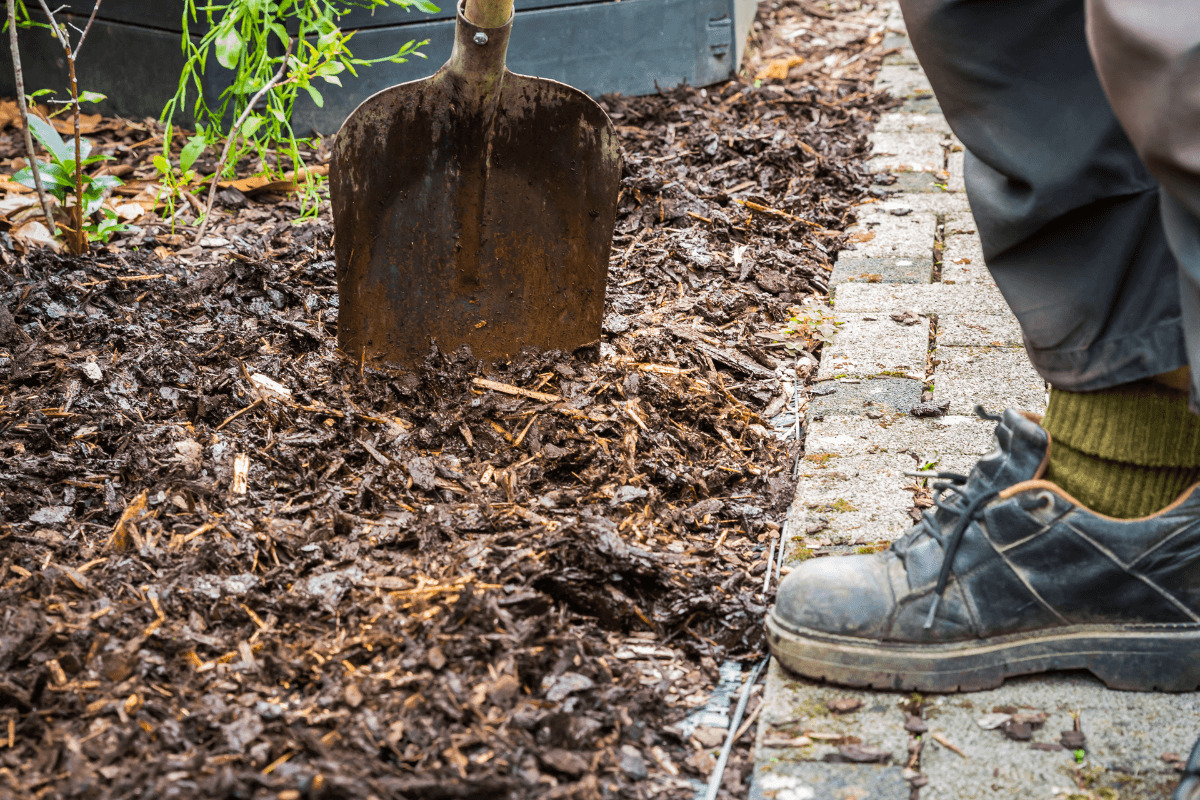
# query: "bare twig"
{"type": "Point", "coordinates": [20, 79]}
{"type": "Point", "coordinates": [83, 34]}
{"type": "Point", "coordinates": [233, 136]}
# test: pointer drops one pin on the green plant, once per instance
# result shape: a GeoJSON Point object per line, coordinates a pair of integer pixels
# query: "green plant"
{"type": "Point", "coordinates": [63, 176]}
{"type": "Point", "coordinates": [65, 169]}
{"type": "Point", "coordinates": [276, 50]}
{"type": "Point", "coordinates": [177, 180]}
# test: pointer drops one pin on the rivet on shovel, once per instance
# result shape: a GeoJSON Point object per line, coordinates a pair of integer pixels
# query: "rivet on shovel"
{"type": "Point", "coordinates": [481, 38]}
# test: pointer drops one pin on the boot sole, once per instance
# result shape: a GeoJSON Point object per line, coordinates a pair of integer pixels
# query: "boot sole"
{"type": "Point", "coordinates": [1164, 658]}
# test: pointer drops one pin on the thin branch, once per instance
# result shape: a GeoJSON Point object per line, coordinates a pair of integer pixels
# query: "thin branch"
{"type": "Point", "coordinates": [234, 133]}
{"type": "Point", "coordinates": [20, 80]}
{"type": "Point", "coordinates": [88, 27]}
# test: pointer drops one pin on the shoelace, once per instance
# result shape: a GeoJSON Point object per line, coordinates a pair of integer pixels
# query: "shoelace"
{"type": "Point", "coordinates": [965, 507]}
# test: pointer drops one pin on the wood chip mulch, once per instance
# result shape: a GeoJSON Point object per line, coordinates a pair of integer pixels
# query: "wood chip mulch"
{"type": "Point", "coordinates": [234, 564]}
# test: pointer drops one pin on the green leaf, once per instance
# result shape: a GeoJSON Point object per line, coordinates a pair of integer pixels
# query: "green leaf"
{"type": "Point", "coordinates": [107, 182]}
{"type": "Point", "coordinates": [229, 48]}
{"type": "Point", "coordinates": [426, 6]}
{"type": "Point", "coordinates": [91, 97]}
{"type": "Point", "coordinates": [161, 164]}
{"type": "Point", "coordinates": [251, 125]}
{"type": "Point", "coordinates": [334, 79]}
{"type": "Point", "coordinates": [316, 96]}
{"type": "Point", "coordinates": [44, 132]}
{"type": "Point", "coordinates": [191, 151]}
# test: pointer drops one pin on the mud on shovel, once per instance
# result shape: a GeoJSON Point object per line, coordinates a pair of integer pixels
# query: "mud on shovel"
{"type": "Point", "coordinates": [474, 207]}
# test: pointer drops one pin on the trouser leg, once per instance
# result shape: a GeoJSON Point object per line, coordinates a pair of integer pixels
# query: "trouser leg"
{"type": "Point", "coordinates": [1147, 53]}
{"type": "Point", "coordinates": [1069, 217]}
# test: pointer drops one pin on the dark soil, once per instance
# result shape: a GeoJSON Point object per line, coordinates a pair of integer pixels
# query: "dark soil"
{"type": "Point", "coordinates": [234, 564]}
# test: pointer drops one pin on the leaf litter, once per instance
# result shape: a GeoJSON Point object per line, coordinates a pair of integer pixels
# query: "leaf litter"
{"type": "Point", "coordinates": [235, 564]}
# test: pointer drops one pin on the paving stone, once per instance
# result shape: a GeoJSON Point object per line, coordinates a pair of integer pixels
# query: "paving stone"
{"type": "Point", "coordinates": [793, 706]}
{"type": "Point", "coordinates": [865, 298]}
{"type": "Point", "coordinates": [805, 780]}
{"type": "Point", "coordinates": [978, 330]}
{"type": "Point", "coordinates": [831, 398]}
{"type": "Point", "coordinates": [906, 151]}
{"type": "Point", "coordinates": [934, 201]}
{"type": "Point", "coordinates": [882, 270]}
{"type": "Point", "coordinates": [954, 442]}
{"type": "Point", "coordinates": [907, 82]}
{"type": "Point", "coordinates": [914, 182]}
{"type": "Point", "coordinates": [954, 164]}
{"type": "Point", "coordinates": [1126, 733]}
{"type": "Point", "coordinates": [896, 122]}
{"type": "Point", "coordinates": [867, 345]}
{"type": "Point", "coordinates": [895, 20]}
{"type": "Point", "coordinates": [921, 104]}
{"type": "Point", "coordinates": [796, 706]}
{"type": "Point", "coordinates": [890, 236]}
{"type": "Point", "coordinates": [994, 377]}
{"type": "Point", "coordinates": [852, 499]}
{"type": "Point", "coordinates": [903, 52]}
{"type": "Point", "coordinates": [962, 253]}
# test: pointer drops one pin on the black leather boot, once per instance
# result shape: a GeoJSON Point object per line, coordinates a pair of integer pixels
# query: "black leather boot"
{"type": "Point", "coordinates": [1008, 575]}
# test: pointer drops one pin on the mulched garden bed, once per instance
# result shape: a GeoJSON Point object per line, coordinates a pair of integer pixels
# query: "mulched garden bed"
{"type": "Point", "coordinates": [235, 564]}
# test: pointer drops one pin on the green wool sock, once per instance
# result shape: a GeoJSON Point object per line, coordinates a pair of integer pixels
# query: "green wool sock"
{"type": "Point", "coordinates": [1125, 452]}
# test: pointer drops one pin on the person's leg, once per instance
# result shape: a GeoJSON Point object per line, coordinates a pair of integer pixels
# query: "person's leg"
{"type": "Point", "coordinates": [1068, 216]}
{"type": "Point", "coordinates": [1010, 574]}
{"type": "Point", "coordinates": [1147, 53]}
{"type": "Point", "coordinates": [1071, 228]}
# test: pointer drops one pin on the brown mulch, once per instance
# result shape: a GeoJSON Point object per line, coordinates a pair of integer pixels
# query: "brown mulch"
{"type": "Point", "coordinates": [235, 564]}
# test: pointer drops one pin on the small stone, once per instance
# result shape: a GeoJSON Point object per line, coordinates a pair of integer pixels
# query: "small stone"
{"type": "Point", "coordinates": [1073, 740]}
{"type": "Point", "coordinates": [914, 724]}
{"type": "Point", "coordinates": [930, 409]}
{"type": "Point", "coordinates": [709, 737]}
{"type": "Point", "coordinates": [632, 763]}
{"type": "Point", "coordinates": [1017, 731]}
{"type": "Point", "coordinates": [909, 317]}
{"type": "Point", "coordinates": [564, 761]}
{"type": "Point", "coordinates": [565, 685]}
{"type": "Point", "coordinates": [844, 705]}
{"type": "Point", "coordinates": [990, 722]}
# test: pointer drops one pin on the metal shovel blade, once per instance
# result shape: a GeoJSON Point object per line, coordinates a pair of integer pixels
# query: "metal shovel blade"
{"type": "Point", "coordinates": [474, 207]}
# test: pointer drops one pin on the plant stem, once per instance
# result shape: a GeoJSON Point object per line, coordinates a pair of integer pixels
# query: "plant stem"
{"type": "Point", "coordinates": [20, 80]}
{"type": "Point", "coordinates": [235, 132]}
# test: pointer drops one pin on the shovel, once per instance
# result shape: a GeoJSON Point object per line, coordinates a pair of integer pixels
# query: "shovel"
{"type": "Point", "coordinates": [475, 207]}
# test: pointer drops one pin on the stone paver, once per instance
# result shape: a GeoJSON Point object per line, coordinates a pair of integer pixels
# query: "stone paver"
{"type": "Point", "coordinates": [907, 151]}
{"type": "Point", "coordinates": [978, 330]}
{"type": "Point", "coordinates": [852, 493]}
{"type": "Point", "coordinates": [874, 344]}
{"type": "Point", "coordinates": [937, 298]}
{"type": "Point", "coordinates": [994, 377]}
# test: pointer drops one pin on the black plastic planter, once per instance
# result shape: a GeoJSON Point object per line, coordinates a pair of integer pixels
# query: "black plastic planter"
{"type": "Point", "coordinates": [134, 57]}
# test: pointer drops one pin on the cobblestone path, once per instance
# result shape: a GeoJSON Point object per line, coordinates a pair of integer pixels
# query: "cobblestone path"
{"type": "Point", "coordinates": [917, 314]}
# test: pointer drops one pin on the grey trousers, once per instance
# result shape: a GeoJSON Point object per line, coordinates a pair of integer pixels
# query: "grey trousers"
{"type": "Point", "coordinates": [1081, 122]}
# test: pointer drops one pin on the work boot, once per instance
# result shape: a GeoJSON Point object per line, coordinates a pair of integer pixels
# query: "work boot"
{"type": "Point", "coordinates": [1189, 787]}
{"type": "Point", "coordinates": [1007, 575]}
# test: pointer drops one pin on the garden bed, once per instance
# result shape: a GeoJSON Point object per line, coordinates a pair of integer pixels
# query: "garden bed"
{"type": "Point", "coordinates": [235, 564]}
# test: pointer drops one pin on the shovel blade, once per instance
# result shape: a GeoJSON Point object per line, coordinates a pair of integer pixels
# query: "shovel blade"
{"type": "Point", "coordinates": [467, 218]}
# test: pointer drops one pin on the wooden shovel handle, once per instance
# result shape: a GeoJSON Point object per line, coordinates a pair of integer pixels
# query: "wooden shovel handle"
{"type": "Point", "coordinates": [488, 13]}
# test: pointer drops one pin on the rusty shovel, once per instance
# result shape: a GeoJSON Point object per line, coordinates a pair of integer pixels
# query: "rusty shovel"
{"type": "Point", "coordinates": [473, 207]}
